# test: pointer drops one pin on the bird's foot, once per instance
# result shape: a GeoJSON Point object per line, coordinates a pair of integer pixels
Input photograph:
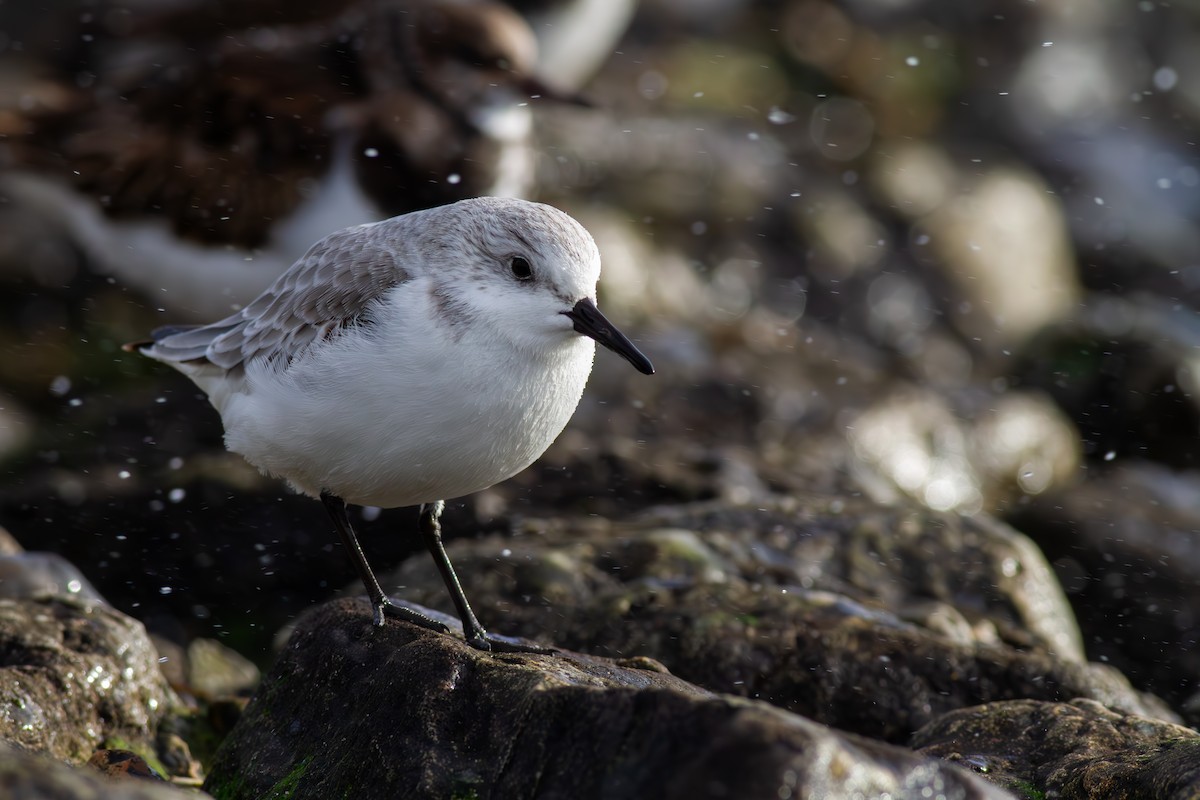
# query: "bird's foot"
{"type": "Point", "coordinates": [479, 639]}
{"type": "Point", "coordinates": [482, 640]}
{"type": "Point", "coordinates": [386, 608]}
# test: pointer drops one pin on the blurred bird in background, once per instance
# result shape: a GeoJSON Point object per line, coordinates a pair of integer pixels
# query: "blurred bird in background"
{"type": "Point", "coordinates": [193, 150]}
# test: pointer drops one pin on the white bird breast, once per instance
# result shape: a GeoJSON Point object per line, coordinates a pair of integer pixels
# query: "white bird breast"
{"type": "Point", "coordinates": [406, 411]}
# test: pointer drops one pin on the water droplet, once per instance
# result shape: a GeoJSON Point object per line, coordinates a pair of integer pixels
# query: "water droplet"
{"type": "Point", "coordinates": [1165, 79]}
{"type": "Point", "coordinates": [777, 116]}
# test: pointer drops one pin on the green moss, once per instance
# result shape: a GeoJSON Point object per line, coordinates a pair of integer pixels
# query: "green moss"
{"type": "Point", "coordinates": [286, 787]}
{"type": "Point", "coordinates": [233, 788]}
{"type": "Point", "coordinates": [1027, 790]}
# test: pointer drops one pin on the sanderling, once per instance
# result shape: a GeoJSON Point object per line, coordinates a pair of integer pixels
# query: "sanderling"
{"type": "Point", "coordinates": [409, 361]}
{"type": "Point", "coordinates": [195, 150]}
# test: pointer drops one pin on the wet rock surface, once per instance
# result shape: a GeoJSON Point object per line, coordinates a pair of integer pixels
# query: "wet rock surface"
{"type": "Point", "coordinates": [28, 776]}
{"type": "Point", "coordinates": [81, 683]}
{"type": "Point", "coordinates": [1068, 750]}
{"type": "Point", "coordinates": [73, 677]}
{"type": "Point", "coordinates": [1125, 547]}
{"type": "Point", "coordinates": [418, 715]}
{"type": "Point", "coordinates": [868, 618]}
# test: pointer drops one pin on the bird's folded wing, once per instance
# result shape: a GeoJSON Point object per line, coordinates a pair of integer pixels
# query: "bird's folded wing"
{"type": "Point", "coordinates": [335, 284]}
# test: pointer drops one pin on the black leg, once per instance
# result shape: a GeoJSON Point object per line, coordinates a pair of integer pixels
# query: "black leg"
{"type": "Point", "coordinates": [379, 601]}
{"type": "Point", "coordinates": [431, 532]}
{"type": "Point", "coordinates": [476, 636]}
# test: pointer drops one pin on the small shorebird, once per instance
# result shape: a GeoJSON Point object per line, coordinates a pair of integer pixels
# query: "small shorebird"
{"type": "Point", "coordinates": [409, 361]}
{"type": "Point", "coordinates": [194, 150]}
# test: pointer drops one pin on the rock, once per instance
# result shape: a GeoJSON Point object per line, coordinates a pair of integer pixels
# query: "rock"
{"type": "Point", "coordinates": [1003, 244]}
{"type": "Point", "coordinates": [1008, 448]}
{"type": "Point", "coordinates": [9, 546]}
{"type": "Point", "coordinates": [16, 427]}
{"type": "Point", "coordinates": [27, 776]}
{"type": "Point", "coordinates": [72, 677]}
{"type": "Point", "coordinates": [868, 618]}
{"type": "Point", "coordinates": [1078, 750]}
{"type": "Point", "coordinates": [1126, 370]}
{"type": "Point", "coordinates": [35, 575]}
{"type": "Point", "coordinates": [1124, 544]}
{"type": "Point", "coordinates": [215, 670]}
{"type": "Point", "coordinates": [352, 710]}
{"type": "Point", "coordinates": [172, 662]}
{"type": "Point", "coordinates": [123, 763]}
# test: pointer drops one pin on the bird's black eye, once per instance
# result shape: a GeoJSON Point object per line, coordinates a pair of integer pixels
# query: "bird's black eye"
{"type": "Point", "coordinates": [521, 268]}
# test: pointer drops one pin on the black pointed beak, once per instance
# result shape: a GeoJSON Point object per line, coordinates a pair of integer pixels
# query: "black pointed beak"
{"type": "Point", "coordinates": [590, 322]}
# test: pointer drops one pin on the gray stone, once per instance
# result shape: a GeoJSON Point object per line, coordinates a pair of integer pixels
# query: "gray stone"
{"type": "Point", "coordinates": [74, 676]}
{"type": "Point", "coordinates": [1124, 543]}
{"type": "Point", "coordinates": [1070, 751]}
{"type": "Point", "coordinates": [869, 618]}
{"type": "Point", "coordinates": [352, 710]}
{"type": "Point", "coordinates": [26, 776]}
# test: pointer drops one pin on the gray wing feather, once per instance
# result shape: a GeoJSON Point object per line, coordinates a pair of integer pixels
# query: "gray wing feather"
{"type": "Point", "coordinates": [332, 285]}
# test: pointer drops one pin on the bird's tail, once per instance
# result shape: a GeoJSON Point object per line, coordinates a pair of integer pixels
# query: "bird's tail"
{"type": "Point", "coordinates": [156, 336]}
{"type": "Point", "coordinates": [180, 344]}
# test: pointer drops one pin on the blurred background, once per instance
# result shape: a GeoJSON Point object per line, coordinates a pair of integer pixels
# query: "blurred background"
{"type": "Point", "coordinates": [929, 251]}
